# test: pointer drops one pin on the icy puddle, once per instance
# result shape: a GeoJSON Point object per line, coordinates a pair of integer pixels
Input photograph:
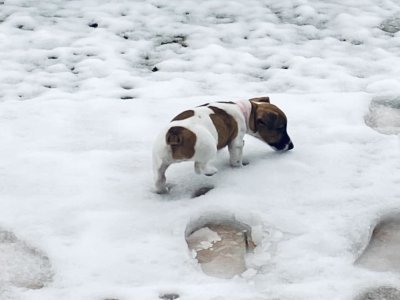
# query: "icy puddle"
{"type": "Point", "coordinates": [383, 250]}
{"type": "Point", "coordinates": [384, 115]}
{"type": "Point", "coordinates": [221, 248]}
{"type": "Point", "coordinates": [21, 265]}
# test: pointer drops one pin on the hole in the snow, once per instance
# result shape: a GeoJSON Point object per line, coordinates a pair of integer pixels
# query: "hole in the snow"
{"type": "Point", "coordinates": [126, 97]}
{"type": "Point", "coordinates": [93, 25]}
{"type": "Point", "coordinates": [177, 39]}
{"type": "Point", "coordinates": [380, 293]}
{"type": "Point", "coordinates": [384, 115]}
{"type": "Point", "coordinates": [220, 246]}
{"type": "Point", "coordinates": [22, 265]}
{"type": "Point", "coordinates": [391, 25]}
{"type": "Point", "coordinates": [169, 296]}
{"type": "Point", "coordinates": [202, 191]}
{"type": "Point", "coordinates": [382, 252]}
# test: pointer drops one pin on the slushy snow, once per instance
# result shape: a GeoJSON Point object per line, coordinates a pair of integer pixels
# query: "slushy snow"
{"type": "Point", "coordinates": [85, 86]}
{"type": "Point", "coordinates": [203, 238]}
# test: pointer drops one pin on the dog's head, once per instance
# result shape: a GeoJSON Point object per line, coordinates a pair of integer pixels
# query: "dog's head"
{"type": "Point", "coordinates": [268, 123]}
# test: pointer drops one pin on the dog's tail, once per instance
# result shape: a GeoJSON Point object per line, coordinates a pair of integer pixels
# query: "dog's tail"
{"type": "Point", "coordinates": [174, 136]}
{"type": "Point", "coordinates": [182, 142]}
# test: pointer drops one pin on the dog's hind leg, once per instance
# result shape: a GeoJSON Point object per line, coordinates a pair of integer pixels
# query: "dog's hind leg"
{"type": "Point", "coordinates": [204, 168]}
{"type": "Point", "coordinates": [206, 151]}
{"type": "Point", "coordinates": [159, 169]}
{"type": "Point", "coordinates": [161, 186]}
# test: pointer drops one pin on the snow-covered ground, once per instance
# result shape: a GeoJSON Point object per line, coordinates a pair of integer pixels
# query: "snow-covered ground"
{"type": "Point", "coordinates": [86, 85]}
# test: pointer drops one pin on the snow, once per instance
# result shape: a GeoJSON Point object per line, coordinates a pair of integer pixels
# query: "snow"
{"type": "Point", "coordinates": [80, 106]}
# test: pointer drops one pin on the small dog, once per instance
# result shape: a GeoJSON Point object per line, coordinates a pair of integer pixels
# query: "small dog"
{"type": "Point", "coordinates": [198, 134]}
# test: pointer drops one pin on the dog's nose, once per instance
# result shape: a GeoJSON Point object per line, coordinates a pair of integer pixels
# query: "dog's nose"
{"type": "Point", "coordinates": [291, 146]}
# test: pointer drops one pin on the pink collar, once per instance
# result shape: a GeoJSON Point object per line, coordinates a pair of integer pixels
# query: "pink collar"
{"type": "Point", "coordinates": [245, 107]}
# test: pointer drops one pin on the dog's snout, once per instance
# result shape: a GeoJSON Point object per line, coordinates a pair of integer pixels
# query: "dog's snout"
{"type": "Point", "coordinates": [290, 146]}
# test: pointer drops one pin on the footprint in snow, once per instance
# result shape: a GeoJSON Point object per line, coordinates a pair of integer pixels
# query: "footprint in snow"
{"type": "Point", "coordinates": [380, 293]}
{"type": "Point", "coordinates": [382, 252]}
{"type": "Point", "coordinates": [22, 265]}
{"type": "Point", "coordinates": [384, 115]}
{"type": "Point", "coordinates": [220, 247]}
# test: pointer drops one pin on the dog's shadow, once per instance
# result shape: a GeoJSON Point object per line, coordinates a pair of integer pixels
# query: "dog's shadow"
{"type": "Point", "coordinates": [188, 186]}
{"type": "Point", "coordinates": [183, 183]}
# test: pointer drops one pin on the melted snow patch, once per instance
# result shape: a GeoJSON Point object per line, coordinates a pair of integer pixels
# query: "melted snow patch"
{"type": "Point", "coordinates": [221, 247]}
{"type": "Point", "coordinates": [384, 115]}
{"type": "Point", "coordinates": [22, 265]}
{"type": "Point", "coordinates": [382, 252]}
{"type": "Point", "coordinates": [203, 239]}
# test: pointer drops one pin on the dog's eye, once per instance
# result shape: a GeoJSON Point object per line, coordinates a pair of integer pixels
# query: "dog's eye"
{"type": "Point", "coordinates": [260, 121]}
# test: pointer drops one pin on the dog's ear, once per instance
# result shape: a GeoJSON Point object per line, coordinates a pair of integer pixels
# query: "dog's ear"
{"type": "Point", "coordinates": [253, 117]}
{"type": "Point", "coordinates": [260, 99]}
{"type": "Point", "coordinates": [267, 119]}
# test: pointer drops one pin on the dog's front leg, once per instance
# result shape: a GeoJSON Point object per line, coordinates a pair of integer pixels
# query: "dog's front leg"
{"type": "Point", "coordinates": [236, 153]}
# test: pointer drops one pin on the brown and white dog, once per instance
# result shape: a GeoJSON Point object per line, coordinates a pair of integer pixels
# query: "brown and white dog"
{"type": "Point", "coordinates": [198, 134]}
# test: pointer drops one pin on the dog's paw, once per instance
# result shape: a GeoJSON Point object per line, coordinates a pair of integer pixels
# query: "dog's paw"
{"type": "Point", "coordinates": [165, 189]}
{"type": "Point", "coordinates": [162, 191]}
{"type": "Point", "coordinates": [245, 162]}
{"type": "Point", "coordinates": [239, 164]}
{"type": "Point", "coordinates": [210, 171]}
{"type": "Point", "coordinates": [206, 169]}
{"type": "Point", "coordinates": [236, 165]}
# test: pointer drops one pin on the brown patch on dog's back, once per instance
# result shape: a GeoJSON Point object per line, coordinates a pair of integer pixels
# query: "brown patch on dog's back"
{"type": "Point", "coordinates": [225, 125]}
{"type": "Point", "coordinates": [181, 141]}
{"type": "Point", "coordinates": [184, 115]}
